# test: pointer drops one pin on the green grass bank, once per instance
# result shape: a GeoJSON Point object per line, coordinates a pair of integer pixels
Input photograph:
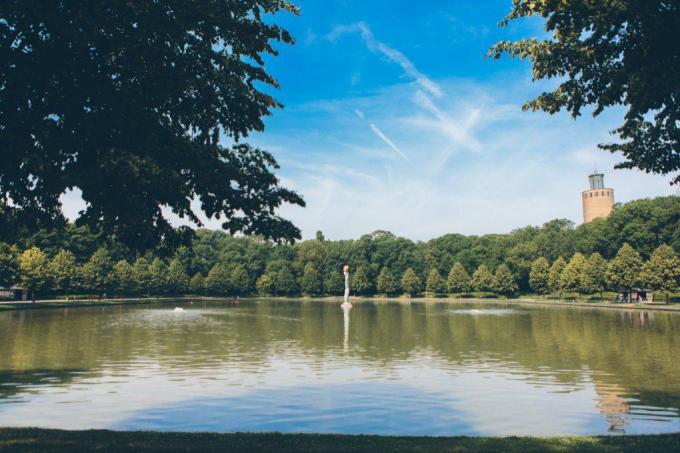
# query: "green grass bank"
{"type": "Point", "coordinates": [521, 300]}
{"type": "Point", "coordinates": [44, 440]}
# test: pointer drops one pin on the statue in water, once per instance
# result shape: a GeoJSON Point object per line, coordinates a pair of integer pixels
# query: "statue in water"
{"type": "Point", "coordinates": [345, 270]}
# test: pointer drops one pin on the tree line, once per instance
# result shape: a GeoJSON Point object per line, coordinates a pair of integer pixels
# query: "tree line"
{"type": "Point", "coordinates": [637, 245]}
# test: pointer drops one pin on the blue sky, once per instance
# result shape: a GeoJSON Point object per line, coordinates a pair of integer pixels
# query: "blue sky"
{"type": "Point", "coordinates": [394, 120]}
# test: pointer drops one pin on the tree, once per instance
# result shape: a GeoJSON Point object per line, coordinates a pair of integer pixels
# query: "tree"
{"type": "Point", "coordinates": [141, 275]}
{"type": "Point", "coordinates": [197, 284]}
{"type": "Point", "coordinates": [239, 280]}
{"type": "Point", "coordinates": [386, 284]}
{"type": "Point", "coordinates": [177, 277]}
{"type": "Point", "coordinates": [265, 285]}
{"type": "Point", "coordinates": [539, 276]}
{"type": "Point", "coordinates": [482, 279]}
{"type": "Point", "coordinates": [504, 281]}
{"type": "Point", "coordinates": [139, 95]}
{"type": "Point", "coordinates": [361, 284]}
{"type": "Point", "coordinates": [333, 283]}
{"type": "Point", "coordinates": [62, 269]}
{"type": "Point", "coordinates": [594, 278]}
{"type": "Point", "coordinates": [158, 277]}
{"type": "Point", "coordinates": [410, 282]}
{"type": "Point", "coordinates": [555, 274]}
{"type": "Point", "coordinates": [310, 282]}
{"type": "Point", "coordinates": [124, 277]}
{"type": "Point", "coordinates": [607, 54]}
{"type": "Point", "coordinates": [217, 281]}
{"type": "Point", "coordinates": [435, 284]}
{"type": "Point", "coordinates": [285, 283]}
{"type": "Point", "coordinates": [34, 275]}
{"type": "Point", "coordinates": [624, 270]}
{"type": "Point", "coordinates": [662, 271]}
{"type": "Point", "coordinates": [9, 265]}
{"type": "Point", "coordinates": [98, 271]}
{"type": "Point", "coordinates": [458, 280]}
{"type": "Point", "coordinates": [572, 275]}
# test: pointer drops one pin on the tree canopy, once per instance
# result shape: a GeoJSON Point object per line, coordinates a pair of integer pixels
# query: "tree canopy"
{"type": "Point", "coordinates": [132, 103]}
{"type": "Point", "coordinates": [608, 53]}
{"type": "Point", "coordinates": [527, 259]}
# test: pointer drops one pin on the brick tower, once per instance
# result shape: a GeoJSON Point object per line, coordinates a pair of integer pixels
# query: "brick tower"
{"type": "Point", "coordinates": [598, 201]}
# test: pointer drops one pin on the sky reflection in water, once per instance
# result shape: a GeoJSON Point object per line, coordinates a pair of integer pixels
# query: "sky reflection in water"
{"type": "Point", "coordinates": [436, 369]}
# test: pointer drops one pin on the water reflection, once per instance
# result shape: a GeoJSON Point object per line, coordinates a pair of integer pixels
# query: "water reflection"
{"type": "Point", "coordinates": [345, 315]}
{"type": "Point", "coordinates": [483, 369]}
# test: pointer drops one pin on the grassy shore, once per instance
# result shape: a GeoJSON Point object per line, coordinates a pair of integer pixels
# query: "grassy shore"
{"type": "Point", "coordinates": [62, 303]}
{"type": "Point", "coordinates": [526, 300]}
{"type": "Point", "coordinates": [44, 440]}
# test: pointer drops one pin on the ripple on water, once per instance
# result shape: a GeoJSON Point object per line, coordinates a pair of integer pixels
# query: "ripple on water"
{"type": "Point", "coordinates": [485, 311]}
{"type": "Point", "coordinates": [384, 369]}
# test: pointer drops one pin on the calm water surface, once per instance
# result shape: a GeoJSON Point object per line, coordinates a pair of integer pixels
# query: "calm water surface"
{"type": "Point", "coordinates": [390, 368]}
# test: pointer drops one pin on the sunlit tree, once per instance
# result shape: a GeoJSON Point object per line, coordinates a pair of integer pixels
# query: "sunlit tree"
{"type": "Point", "coordinates": [555, 275]}
{"type": "Point", "coordinates": [386, 283]}
{"type": "Point", "coordinates": [177, 278]}
{"type": "Point", "coordinates": [124, 277]}
{"type": "Point", "coordinates": [539, 276]}
{"type": "Point", "coordinates": [285, 282]}
{"type": "Point", "coordinates": [197, 284]}
{"type": "Point", "coordinates": [265, 285]}
{"type": "Point", "coordinates": [217, 281]}
{"type": "Point", "coordinates": [310, 282]}
{"type": "Point", "coordinates": [624, 270]}
{"type": "Point", "coordinates": [34, 273]}
{"type": "Point", "coordinates": [333, 283]}
{"type": "Point", "coordinates": [594, 278]}
{"type": "Point", "coordinates": [504, 282]}
{"type": "Point", "coordinates": [361, 283]}
{"type": "Point", "coordinates": [458, 280]}
{"type": "Point", "coordinates": [410, 282]}
{"type": "Point", "coordinates": [482, 279]}
{"type": "Point", "coordinates": [239, 280]}
{"type": "Point", "coordinates": [142, 275]}
{"type": "Point", "coordinates": [62, 269]}
{"type": "Point", "coordinates": [662, 271]}
{"type": "Point", "coordinates": [572, 275]}
{"type": "Point", "coordinates": [435, 284]}
{"type": "Point", "coordinates": [98, 271]}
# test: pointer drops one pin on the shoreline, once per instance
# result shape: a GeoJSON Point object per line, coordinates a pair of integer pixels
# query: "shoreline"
{"type": "Point", "coordinates": [62, 303]}
{"type": "Point", "coordinates": [37, 439]}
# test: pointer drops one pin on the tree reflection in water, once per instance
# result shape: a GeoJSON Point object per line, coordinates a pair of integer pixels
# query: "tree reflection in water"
{"type": "Point", "coordinates": [627, 359]}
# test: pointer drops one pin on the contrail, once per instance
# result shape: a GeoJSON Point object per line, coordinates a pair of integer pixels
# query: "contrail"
{"type": "Point", "coordinates": [389, 142]}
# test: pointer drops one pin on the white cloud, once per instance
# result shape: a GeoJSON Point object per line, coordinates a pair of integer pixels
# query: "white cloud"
{"type": "Point", "coordinates": [478, 164]}
{"type": "Point", "coordinates": [392, 54]}
{"type": "Point", "coordinates": [386, 139]}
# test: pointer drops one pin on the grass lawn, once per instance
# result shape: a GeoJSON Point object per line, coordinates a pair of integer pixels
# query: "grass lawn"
{"type": "Point", "coordinates": [44, 440]}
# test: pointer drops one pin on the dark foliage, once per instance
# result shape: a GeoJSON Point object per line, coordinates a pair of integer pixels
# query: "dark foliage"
{"type": "Point", "coordinates": [608, 53]}
{"type": "Point", "coordinates": [130, 102]}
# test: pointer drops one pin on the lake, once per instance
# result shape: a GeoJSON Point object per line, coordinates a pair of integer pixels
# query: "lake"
{"type": "Point", "coordinates": [309, 366]}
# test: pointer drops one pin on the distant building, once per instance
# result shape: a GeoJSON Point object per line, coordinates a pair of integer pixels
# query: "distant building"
{"type": "Point", "coordinates": [598, 201]}
{"type": "Point", "coordinates": [12, 293]}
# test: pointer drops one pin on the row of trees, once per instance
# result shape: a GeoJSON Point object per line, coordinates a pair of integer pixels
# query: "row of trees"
{"type": "Point", "coordinates": [62, 274]}
{"type": "Point", "coordinates": [222, 264]}
{"type": "Point", "coordinates": [594, 274]}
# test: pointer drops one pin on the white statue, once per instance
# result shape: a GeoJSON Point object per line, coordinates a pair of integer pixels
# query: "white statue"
{"type": "Point", "coordinates": [345, 271]}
